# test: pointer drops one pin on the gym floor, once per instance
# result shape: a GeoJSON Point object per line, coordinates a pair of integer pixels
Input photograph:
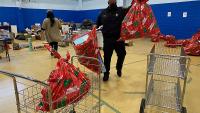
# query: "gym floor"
{"type": "Point", "coordinates": [119, 95]}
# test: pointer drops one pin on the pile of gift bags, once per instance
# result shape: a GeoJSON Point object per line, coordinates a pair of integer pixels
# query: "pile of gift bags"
{"type": "Point", "coordinates": [191, 46]}
{"type": "Point", "coordinates": [67, 83]}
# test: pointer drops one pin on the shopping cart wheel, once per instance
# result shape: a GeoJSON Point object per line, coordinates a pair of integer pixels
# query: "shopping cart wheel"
{"type": "Point", "coordinates": [184, 110]}
{"type": "Point", "coordinates": [142, 106]}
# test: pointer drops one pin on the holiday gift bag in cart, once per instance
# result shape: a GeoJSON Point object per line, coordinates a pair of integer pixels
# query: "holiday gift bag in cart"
{"type": "Point", "coordinates": [86, 45]}
{"type": "Point", "coordinates": [70, 88]}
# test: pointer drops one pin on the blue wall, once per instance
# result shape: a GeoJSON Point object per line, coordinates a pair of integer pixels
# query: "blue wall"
{"type": "Point", "coordinates": [32, 16]}
{"type": "Point", "coordinates": [177, 25]}
{"type": "Point", "coordinates": [88, 14]}
{"type": "Point", "coordinates": [26, 17]}
{"type": "Point", "coordinates": [11, 15]}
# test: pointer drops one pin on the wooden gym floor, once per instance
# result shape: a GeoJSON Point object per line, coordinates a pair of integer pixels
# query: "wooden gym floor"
{"type": "Point", "coordinates": [119, 95]}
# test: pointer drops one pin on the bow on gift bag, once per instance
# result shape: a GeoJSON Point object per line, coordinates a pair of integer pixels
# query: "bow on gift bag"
{"type": "Point", "coordinates": [67, 83]}
{"type": "Point", "coordinates": [139, 21]}
{"type": "Point", "coordinates": [86, 45]}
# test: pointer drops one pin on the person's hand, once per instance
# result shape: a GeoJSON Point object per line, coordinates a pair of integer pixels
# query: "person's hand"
{"type": "Point", "coordinates": [99, 28]}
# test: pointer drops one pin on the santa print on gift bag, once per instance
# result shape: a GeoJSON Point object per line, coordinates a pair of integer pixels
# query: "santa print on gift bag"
{"type": "Point", "coordinates": [67, 83]}
{"type": "Point", "coordinates": [86, 45]}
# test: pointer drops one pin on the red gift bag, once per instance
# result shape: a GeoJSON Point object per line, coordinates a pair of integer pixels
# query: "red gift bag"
{"type": "Point", "coordinates": [54, 52]}
{"type": "Point", "coordinates": [193, 48]}
{"type": "Point", "coordinates": [86, 45]}
{"type": "Point", "coordinates": [67, 83]}
{"type": "Point", "coordinates": [139, 1]}
{"type": "Point", "coordinates": [139, 21]}
{"type": "Point", "coordinates": [183, 43]}
{"type": "Point", "coordinates": [171, 41]}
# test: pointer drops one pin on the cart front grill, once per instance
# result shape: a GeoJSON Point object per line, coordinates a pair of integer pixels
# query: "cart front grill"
{"type": "Point", "coordinates": [163, 94]}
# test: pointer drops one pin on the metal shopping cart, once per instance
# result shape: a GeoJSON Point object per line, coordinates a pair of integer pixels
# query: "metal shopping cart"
{"type": "Point", "coordinates": [167, 70]}
{"type": "Point", "coordinates": [28, 92]}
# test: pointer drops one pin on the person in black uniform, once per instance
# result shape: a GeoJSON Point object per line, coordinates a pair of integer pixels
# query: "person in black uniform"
{"type": "Point", "coordinates": [111, 18]}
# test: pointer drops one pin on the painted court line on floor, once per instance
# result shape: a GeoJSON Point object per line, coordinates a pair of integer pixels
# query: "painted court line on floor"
{"type": "Point", "coordinates": [198, 65]}
{"type": "Point", "coordinates": [134, 93]}
{"type": "Point", "coordinates": [131, 63]}
{"type": "Point", "coordinates": [189, 80]}
{"type": "Point", "coordinates": [106, 104]}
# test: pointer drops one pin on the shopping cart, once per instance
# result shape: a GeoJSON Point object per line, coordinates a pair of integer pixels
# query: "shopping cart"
{"type": "Point", "coordinates": [167, 70]}
{"type": "Point", "coordinates": [28, 93]}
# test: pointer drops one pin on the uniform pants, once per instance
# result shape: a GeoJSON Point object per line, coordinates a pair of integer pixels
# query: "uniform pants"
{"type": "Point", "coordinates": [109, 47]}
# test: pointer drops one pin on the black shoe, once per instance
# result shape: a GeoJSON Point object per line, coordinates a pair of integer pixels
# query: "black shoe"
{"type": "Point", "coordinates": [119, 73]}
{"type": "Point", "coordinates": [105, 77]}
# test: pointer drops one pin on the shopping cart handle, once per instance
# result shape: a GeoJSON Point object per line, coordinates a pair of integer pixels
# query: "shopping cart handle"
{"type": "Point", "coordinates": [100, 28]}
{"type": "Point", "coordinates": [22, 76]}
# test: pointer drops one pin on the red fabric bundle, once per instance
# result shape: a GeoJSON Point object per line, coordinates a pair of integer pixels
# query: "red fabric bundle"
{"type": "Point", "coordinates": [67, 83]}
{"type": "Point", "coordinates": [156, 37]}
{"type": "Point", "coordinates": [171, 41]}
{"type": "Point", "coordinates": [194, 47]}
{"type": "Point", "coordinates": [139, 21]}
{"type": "Point", "coordinates": [191, 46]}
{"type": "Point", "coordinates": [88, 47]}
{"type": "Point", "coordinates": [183, 43]}
{"type": "Point", "coordinates": [196, 37]}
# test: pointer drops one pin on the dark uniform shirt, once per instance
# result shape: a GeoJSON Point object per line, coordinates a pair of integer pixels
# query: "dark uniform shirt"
{"type": "Point", "coordinates": [111, 19]}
